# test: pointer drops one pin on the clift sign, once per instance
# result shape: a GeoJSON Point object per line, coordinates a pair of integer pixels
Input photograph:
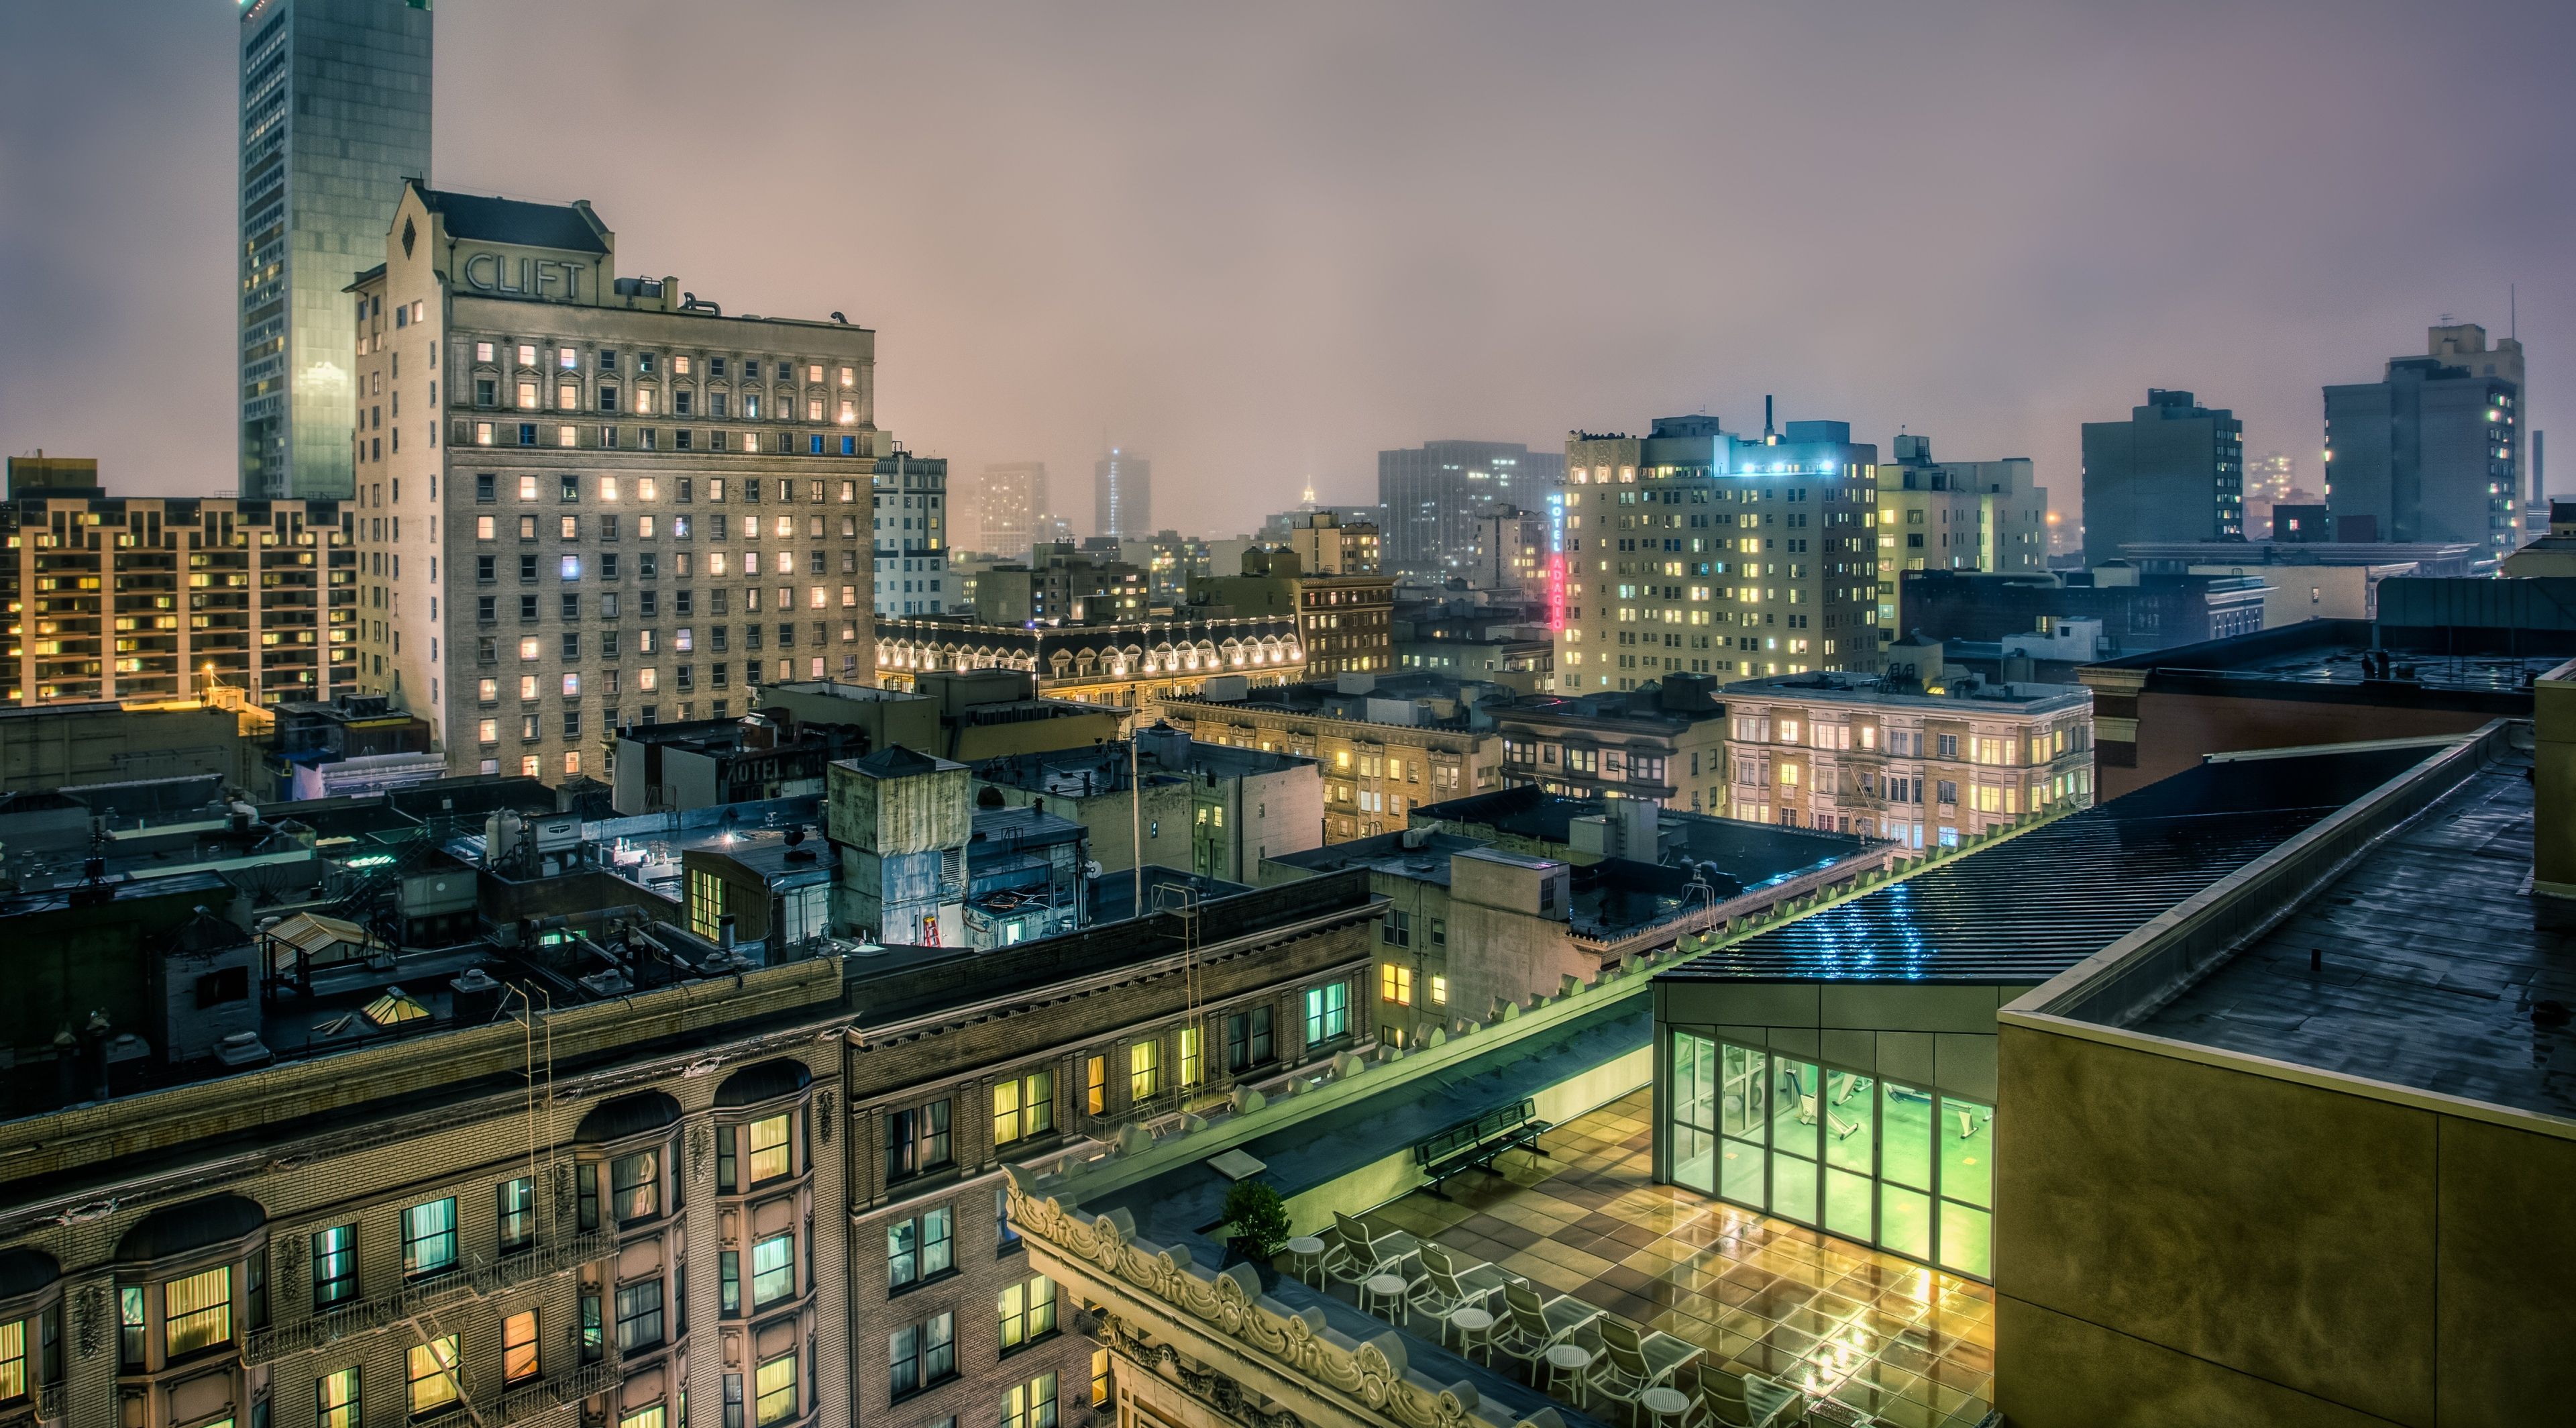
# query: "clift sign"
{"type": "Point", "coordinates": [549, 279]}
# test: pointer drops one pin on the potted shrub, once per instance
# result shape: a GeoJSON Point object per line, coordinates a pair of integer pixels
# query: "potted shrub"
{"type": "Point", "coordinates": [1256, 1222]}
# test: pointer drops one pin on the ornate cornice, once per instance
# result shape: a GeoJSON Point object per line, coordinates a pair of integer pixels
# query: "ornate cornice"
{"type": "Point", "coordinates": [1367, 1378]}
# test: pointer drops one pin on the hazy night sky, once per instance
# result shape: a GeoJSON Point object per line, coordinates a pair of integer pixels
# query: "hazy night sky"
{"type": "Point", "coordinates": [1262, 242]}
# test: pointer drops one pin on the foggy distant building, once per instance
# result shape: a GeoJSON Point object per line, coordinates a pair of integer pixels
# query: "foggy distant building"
{"type": "Point", "coordinates": [1431, 495]}
{"type": "Point", "coordinates": [911, 535]}
{"type": "Point", "coordinates": [334, 116]}
{"type": "Point", "coordinates": [1008, 503]}
{"type": "Point", "coordinates": [1122, 494]}
{"type": "Point", "coordinates": [2428, 452]}
{"type": "Point", "coordinates": [2174, 471]}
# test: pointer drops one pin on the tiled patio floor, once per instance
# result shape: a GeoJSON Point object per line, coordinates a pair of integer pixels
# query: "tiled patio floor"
{"type": "Point", "coordinates": [1911, 1345]}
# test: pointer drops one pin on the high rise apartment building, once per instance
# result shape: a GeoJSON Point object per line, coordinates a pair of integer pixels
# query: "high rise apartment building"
{"type": "Point", "coordinates": [2431, 451]}
{"type": "Point", "coordinates": [1122, 495]}
{"type": "Point", "coordinates": [1694, 550]}
{"type": "Point", "coordinates": [586, 500]}
{"type": "Point", "coordinates": [334, 119]}
{"type": "Point", "coordinates": [1432, 495]}
{"type": "Point", "coordinates": [912, 535]}
{"type": "Point", "coordinates": [1985, 516]}
{"type": "Point", "coordinates": [1327, 544]}
{"type": "Point", "coordinates": [166, 598]}
{"type": "Point", "coordinates": [1008, 504]}
{"type": "Point", "coordinates": [2174, 471]}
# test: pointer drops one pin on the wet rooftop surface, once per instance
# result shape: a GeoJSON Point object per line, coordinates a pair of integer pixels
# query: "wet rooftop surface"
{"type": "Point", "coordinates": [2436, 973]}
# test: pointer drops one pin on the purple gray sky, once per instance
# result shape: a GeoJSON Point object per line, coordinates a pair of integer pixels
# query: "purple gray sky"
{"type": "Point", "coordinates": [1260, 243]}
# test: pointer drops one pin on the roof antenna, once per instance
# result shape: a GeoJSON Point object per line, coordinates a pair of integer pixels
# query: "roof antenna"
{"type": "Point", "coordinates": [2513, 311]}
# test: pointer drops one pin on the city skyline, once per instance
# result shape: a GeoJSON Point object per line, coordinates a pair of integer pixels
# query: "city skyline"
{"type": "Point", "coordinates": [1372, 339]}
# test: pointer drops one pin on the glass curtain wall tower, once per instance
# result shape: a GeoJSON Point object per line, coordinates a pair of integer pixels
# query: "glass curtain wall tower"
{"type": "Point", "coordinates": [334, 116]}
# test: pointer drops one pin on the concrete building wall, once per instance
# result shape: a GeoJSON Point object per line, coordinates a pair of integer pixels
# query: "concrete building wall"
{"type": "Point", "coordinates": [2174, 730]}
{"type": "Point", "coordinates": [2182, 1240]}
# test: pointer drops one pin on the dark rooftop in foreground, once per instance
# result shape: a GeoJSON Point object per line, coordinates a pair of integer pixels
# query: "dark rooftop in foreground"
{"type": "Point", "coordinates": [2435, 973]}
{"type": "Point", "coordinates": [2026, 909]}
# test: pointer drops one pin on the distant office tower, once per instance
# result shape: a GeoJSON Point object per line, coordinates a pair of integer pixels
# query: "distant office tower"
{"type": "Point", "coordinates": [334, 116]}
{"type": "Point", "coordinates": [2428, 452]}
{"type": "Point", "coordinates": [2174, 471]}
{"type": "Point", "coordinates": [1432, 494]}
{"type": "Point", "coordinates": [2464, 344]}
{"type": "Point", "coordinates": [1008, 503]}
{"type": "Point", "coordinates": [1122, 494]}
{"type": "Point", "coordinates": [1986, 516]}
{"type": "Point", "coordinates": [912, 535]}
{"type": "Point", "coordinates": [1692, 550]}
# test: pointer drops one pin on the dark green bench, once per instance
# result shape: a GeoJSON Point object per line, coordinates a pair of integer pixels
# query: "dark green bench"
{"type": "Point", "coordinates": [1475, 1142]}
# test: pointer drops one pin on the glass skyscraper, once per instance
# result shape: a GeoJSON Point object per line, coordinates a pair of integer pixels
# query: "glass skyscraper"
{"type": "Point", "coordinates": [334, 116]}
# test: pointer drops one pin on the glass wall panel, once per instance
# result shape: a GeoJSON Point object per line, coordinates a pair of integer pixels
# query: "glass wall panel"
{"type": "Point", "coordinates": [1967, 1151]}
{"type": "Point", "coordinates": [1881, 1163]}
{"type": "Point", "coordinates": [1851, 1121]}
{"type": "Point", "coordinates": [1694, 1102]}
{"type": "Point", "coordinates": [1739, 1168]}
{"type": "Point", "coordinates": [1793, 1106]}
{"type": "Point", "coordinates": [1905, 1137]}
{"type": "Point", "coordinates": [1847, 1205]}
{"type": "Point", "coordinates": [1905, 1221]}
{"type": "Point", "coordinates": [1965, 1240]}
{"type": "Point", "coordinates": [1796, 1129]}
{"type": "Point", "coordinates": [1744, 1105]}
{"type": "Point", "coordinates": [1793, 1187]}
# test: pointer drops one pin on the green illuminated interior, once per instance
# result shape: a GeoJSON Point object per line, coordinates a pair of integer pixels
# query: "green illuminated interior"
{"type": "Point", "coordinates": [1902, 1167]}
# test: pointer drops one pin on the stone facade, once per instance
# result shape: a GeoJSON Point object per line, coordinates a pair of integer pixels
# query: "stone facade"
{"type": "Point", "coordinates": [595, 464]}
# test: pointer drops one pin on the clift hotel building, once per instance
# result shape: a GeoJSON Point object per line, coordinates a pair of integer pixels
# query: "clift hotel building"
{"type": "Point", "coordinates": [584, 500]}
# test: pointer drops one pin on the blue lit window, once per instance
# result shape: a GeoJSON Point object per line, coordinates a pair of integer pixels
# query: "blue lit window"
{"type": "Point", "coordinates": [849, 446]}
{"type": "Point", "coordinates": [816, 447]}
{"type": "Point", "coordinates": [572, 567]}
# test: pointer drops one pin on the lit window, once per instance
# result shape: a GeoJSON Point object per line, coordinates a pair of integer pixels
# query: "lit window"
{"type": "Point", "coordinates": [771, 1155]}
{"type": "Point", "coordinates": [1031, 1404]}
{"type": "Point", "coordinates": [774, 1390]}
{"type": "Point", "coordinates": [482, 433]}
{"type": "Point", "coordinates": [1023, 1106]}
{"type": "Point", "coordinates": [571, 566]}
{"type": "Point", "coordinates": [527, 354]}
{"type": "Point", "coordinates": [572, 686]}
{"type": "Point", "coordinates": [433, 1375]}
{"type": "Point", "coordinates": [519, 1346]}
{"type": "Point", "coordinates": [482, 351]}
{"type": "Point", "coordinates": [527, 396]}
{"type": "Point", "coordinates": [773, 1270]}
{"type": "Point", "coordinates": [845, 377]}
{"type": "Point", "coordinates": [608, 488]}
{"type": "Point", "coordinates": [335, 1398]}
{"type": "Point", "coordinates": [1027, 1311]}
{"type": "Point", "coordinates": [198, 1311]}
{"type": "Point", "coordinates": [484, 528]}
{"type": "Point", "coordinates": [567, 436]}
{"type": "Point", "coordinates": [531, 766]}
{"type": "Point", "coordinates": [527, 652]}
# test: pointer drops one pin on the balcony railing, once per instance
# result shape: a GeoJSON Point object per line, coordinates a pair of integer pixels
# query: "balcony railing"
{"type": "Point", "coordinates": [529, 1400]}
{"type": "Point", "coordinates": [365, 1316]}
{"type": "Point", "coordinates": [44, 1405]}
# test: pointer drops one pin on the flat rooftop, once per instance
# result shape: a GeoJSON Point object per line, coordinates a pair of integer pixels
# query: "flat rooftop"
{"type": "Point", "coordinates": [2435, 972]}
{"type": "Point", "coordinates": [1866, 689]}
{"type": "Point", "coordinates": [1426, 860]}
{"type": "Point", "coordinates": [2023, 910]}
{"type": "Point", "coordinates": [2331, 652]}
